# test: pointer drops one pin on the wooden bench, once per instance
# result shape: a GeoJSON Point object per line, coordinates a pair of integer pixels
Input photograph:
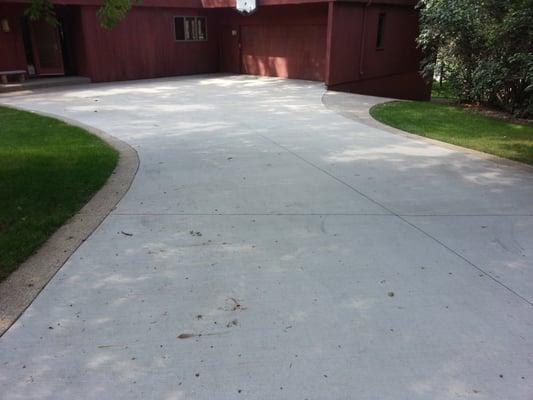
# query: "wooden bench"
{"type": "Point", "coordinates": [20, 72]}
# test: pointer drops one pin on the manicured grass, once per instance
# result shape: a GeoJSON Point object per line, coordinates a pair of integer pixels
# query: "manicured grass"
{"type": "Point", "coordinates": [48, 171]}
{"type": "Point", "coordinates": [460, 127]}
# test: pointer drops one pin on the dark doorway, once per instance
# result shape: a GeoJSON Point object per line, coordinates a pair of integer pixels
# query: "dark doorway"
{"type": "Point", "coordinates": [51, 50]}
{"type": "Point", "coordinates": [46, 45]}
{"type": "Point", "coordinates": [230, 60]}
{"type": "Point", "coordinates": [70, 36]}
{"type": "Point", "coordinates": [28, 48]}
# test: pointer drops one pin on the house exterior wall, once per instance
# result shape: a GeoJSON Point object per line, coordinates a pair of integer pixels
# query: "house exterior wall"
{"type": "Point", "coordinates": [144, 46]}
{"type": "Point", "coordinates": [333, 42]}
{"type": "Point", "coordinates": [355, 64]}
{"type": "Point", "coordinates": [285, 41]}
{"type": "Point", "coordinates": [12, 56]}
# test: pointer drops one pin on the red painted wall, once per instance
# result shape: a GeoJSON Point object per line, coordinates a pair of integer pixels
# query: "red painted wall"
{"type": "Point", "coordinates": [144, 3]}
{"type": "Point", "coordinates": [345, 23]}
{"type": "Point", "coordinates": [284, 41]}
{"type": "Point", "coordinates": [317, 41]}
{"type": "Point", "coordinates": [231, 3]}
{"type": "Point", "coordinates": [143, 46]}
{"type": "Point", "coordinates": [12, 55]}
{"type": "Point", "coordinates": [215, 3]}
{"type": "Point", "coordinates": [285, 51]}
{"type": "Point", "coordinates": [391, 71]}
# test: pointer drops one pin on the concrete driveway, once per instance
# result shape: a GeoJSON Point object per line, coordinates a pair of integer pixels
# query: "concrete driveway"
{"type": "Point", "coordinates": [270, 248]}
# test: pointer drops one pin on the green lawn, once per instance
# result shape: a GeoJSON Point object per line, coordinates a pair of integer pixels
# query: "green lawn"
{"type": "Point", "coordinates": [460, 127]}
{"type": "Point", "coordinates": [48, 171]}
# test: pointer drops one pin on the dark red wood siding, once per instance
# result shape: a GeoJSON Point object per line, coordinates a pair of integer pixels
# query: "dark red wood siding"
{"type": "Point", "coordinates": [356, 65]}
{"type": "Point", "coordinates": [143, 46]}
{"type": "Point", "coordinates": [334, 42]}
{"type": "Point", "coordinates": [344, 43]}
{"type": "Point", "coordinates": [297, 51]}
{"type": "Point", "coordinates": [284, 41]}
{"type": "Point", "coordinates": [12, 55]}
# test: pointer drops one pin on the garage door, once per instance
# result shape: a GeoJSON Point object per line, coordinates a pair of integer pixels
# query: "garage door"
{"type": "Point", "coordinates": [296, 51]}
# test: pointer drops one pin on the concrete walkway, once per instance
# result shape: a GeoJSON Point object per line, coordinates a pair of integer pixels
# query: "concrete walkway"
{"type": "Point", "coordinates": [270, 248]}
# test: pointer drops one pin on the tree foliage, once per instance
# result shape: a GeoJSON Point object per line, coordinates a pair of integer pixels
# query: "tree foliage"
{"type": "Point", "coordinates": [484, 47]}
{"type": "Point", "coordinates": [42, 9]}
{"type": "Point", "coordinates": [114, 11]}
{"type": "Point", "coordinates": [109, 14]}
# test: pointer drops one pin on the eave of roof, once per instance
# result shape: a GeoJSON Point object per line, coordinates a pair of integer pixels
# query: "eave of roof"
{"type": "Point", "coordinates": [231, 3]}
{"type": "Point", "coordinates": [220, 3]}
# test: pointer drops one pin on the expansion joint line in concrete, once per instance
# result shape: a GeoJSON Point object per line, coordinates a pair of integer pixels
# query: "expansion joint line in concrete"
{"type": "Point", "coordinates": [275, 214]}
{"type": "Point", "coordinates": [393, 213]}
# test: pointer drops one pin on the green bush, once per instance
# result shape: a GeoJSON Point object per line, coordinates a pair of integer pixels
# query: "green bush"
{"type": "Point", "coordinates": [484, 48]}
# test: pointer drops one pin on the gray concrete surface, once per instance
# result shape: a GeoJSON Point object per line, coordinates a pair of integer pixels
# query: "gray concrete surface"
{"type": "Point", "coordinates": [270, 248]}
{"type": "Point", "coordinates": [30, 85]}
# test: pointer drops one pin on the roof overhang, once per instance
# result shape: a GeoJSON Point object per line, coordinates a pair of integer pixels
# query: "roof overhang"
{"type": "Point", "coordinates": [222, 3]}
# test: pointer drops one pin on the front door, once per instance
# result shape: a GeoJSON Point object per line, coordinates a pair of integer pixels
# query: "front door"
{"type": "Point", "coordinates": [230, 49]}
{"type": "Point", "coordinates": [46, 49]}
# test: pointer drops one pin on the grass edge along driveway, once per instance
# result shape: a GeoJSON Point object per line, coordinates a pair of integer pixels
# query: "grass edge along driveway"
{"type": "Point", "coordinates": [48, 171]}
{"type": "Point", "coordinates": [458, 126]}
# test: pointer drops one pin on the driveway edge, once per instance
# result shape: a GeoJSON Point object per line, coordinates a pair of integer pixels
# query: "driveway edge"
{"type": "Point", "coordinates": [19, 290]}
{"type": "Point", "coordinates": [340, 103]}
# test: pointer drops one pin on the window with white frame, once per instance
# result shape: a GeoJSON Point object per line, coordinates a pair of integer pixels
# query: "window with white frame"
{"type": "Point", "coordinates": [190, 28]}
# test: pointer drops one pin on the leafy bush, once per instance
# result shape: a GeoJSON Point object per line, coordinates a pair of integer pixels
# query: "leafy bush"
{"type": "Point", "coordinates": [483, 47]}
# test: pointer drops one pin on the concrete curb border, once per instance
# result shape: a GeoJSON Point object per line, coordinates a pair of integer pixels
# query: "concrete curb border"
{"type": "Point", "coordinates": [356, 113]}
{"type": "Point", "coordinates": [19, 290]}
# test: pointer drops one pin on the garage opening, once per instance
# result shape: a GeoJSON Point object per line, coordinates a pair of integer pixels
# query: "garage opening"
{"type": "Point", "coordinates": [285, 41]}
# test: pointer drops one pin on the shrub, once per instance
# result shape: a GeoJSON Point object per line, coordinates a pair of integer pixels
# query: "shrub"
{"type": "Point", "coordinates": [484, 48]}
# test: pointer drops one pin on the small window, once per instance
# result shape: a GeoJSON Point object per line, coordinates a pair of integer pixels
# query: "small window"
{"type": "Point", "coordinates": [190, 28]}
{"type": "Point", "coordinates": [381, 31]}
{"type": "Point", "coordinates": [200, 28]}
